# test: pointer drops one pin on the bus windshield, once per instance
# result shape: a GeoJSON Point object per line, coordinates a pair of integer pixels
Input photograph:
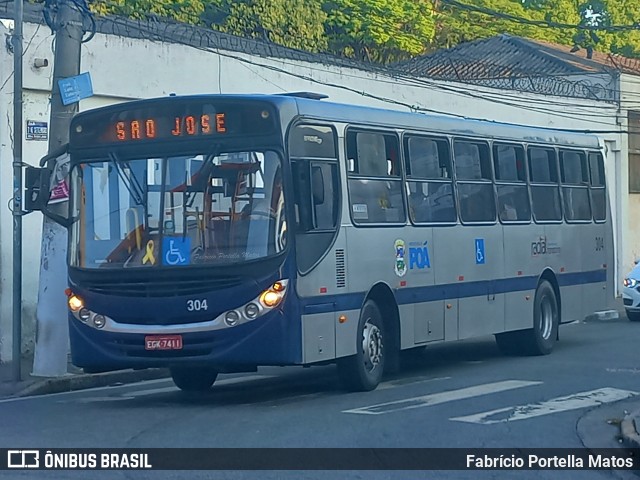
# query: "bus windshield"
{"type": "Point", "coordinates": [176, 211]}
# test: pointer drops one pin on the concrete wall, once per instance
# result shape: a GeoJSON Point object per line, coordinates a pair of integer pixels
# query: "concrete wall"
{"type": "Point", "coordinates": [123, 68]}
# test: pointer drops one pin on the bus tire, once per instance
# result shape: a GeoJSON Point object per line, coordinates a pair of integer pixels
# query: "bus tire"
{"type": "Point", "coordinates": [540, 339]}
{"type": "Point", "coordinates": [193, 379]}
{"type": "Point", "coordinates": [509, 343]}
{"type": "Point", "coordinates": [633, 316]}
{"type": "Point", "coordinates": [363, 371]}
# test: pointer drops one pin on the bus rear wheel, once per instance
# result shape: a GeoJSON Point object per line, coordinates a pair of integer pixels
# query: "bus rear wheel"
{"type": "Point", "coordinates": [363, 371]}
{"type": "Point", "coordinates": [540, 339]}
{"type": "Point", "coordinates": [193, 379]}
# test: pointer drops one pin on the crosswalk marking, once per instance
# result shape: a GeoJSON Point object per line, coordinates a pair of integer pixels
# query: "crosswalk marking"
{"type": "Point", "coordinates": [397, 384]}
{"type": "Point", "coordinates": [441, 397]}
{"type": "Point", "coordinates": [561, 404]}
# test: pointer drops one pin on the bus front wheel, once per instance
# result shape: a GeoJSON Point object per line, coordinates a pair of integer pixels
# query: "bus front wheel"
{"type": "Point", "coordinates": [193, 379]}
{"type": "Point", "coordinates": [363, 371]}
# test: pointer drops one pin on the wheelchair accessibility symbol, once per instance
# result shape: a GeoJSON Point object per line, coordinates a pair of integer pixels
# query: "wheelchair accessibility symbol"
{"type": "Point", "coordinates": [480, 251]}
{"type": "Point", "coordinates": [176, 251]}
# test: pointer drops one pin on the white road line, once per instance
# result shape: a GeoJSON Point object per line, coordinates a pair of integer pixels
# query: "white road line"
{"type": "Point", "coordinates": [398, 384]}
{"type": "Point", "coordinates": [441, 397]}
{"type": "Point", "coordinates": [560, 404]}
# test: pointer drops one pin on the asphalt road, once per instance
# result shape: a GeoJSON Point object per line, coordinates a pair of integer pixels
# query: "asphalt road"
{"type": "Point", "coordinates": [464, 395]}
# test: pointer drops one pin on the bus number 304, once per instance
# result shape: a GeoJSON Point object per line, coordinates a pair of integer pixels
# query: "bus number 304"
{"type": "Point", "coordinates": [197, 305]}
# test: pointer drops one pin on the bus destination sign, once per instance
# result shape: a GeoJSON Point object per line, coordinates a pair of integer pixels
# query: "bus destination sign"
{"type": "Point", "coordinates": [183, 126]}
{"type": "Point", "coordinates": [170, 121]}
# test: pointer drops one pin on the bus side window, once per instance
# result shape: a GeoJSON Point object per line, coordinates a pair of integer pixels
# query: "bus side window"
{"type": "Point", "coordinates": [575, 190]}
{"type": "Point", "coordinates": [543, 175]}
{"type": "Point", "coordinates": [598, 187]}
{"type": "Point", "coordinates": [474, 180]}
{"type": "Point", "coordinates": [511, 186]}
{"type": "Point", "coordinates": [430, 188]}
{"type": "Point", "coordinates": [375, 189]}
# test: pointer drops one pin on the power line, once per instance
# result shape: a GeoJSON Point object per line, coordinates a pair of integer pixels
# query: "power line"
{"type": "Point", "coordinates": [539, 23]}
{"type": "Point", "coordinates": [363, 93]}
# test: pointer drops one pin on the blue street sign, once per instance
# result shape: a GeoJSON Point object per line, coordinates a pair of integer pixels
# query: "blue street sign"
{"type": "Point", "coordinates": [480, 251]}
{"type": "Point", "coordinates": [74, 89]}
{"type": "Point", "coordinates": [176, 251]}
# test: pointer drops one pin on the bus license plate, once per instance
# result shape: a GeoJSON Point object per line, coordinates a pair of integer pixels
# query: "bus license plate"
{"type": "Point", "coordinates": [163, 342]}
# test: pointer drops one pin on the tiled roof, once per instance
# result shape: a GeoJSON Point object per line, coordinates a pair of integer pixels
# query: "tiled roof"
{"type": "Point", "coordinates": [506, 56]}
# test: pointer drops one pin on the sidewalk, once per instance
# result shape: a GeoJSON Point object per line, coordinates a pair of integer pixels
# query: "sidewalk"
{"type": "Point", "coordinates": [75, 379]}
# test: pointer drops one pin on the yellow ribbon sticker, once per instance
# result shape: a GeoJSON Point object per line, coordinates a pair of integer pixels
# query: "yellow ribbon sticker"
{"type": "Point", "coordinates": [149, 256]}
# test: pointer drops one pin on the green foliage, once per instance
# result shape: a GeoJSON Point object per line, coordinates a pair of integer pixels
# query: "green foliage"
{"type": "Point", "coordinates": [187, 11]}
{"type": "Point", "coordinates": [298, 24]}
{"type": "Point", "coordinates": [456, 25]}
{"type": "Point", "coordinates": [625, 42]}
{"type": "Point", "coordinates": [386, 31]}
{"type": "Point", "coordinates": [379, 30]}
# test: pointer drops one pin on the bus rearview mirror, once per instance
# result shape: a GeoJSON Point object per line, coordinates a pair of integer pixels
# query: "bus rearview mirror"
{"type": "Point", "coordinates": [37, 193]}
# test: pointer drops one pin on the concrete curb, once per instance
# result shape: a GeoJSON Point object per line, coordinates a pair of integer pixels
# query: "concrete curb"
{"type": "Point", "coordinates": [74, 382]}
{"type": "Point", "coordinates": [629, 430]}
{"type": "Point", "coordinates": [603, 316]}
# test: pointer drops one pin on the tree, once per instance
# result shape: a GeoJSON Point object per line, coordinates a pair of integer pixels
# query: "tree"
{"type": "Point", "coordinates": [187, 11]}
{"type": "Point", "coordinates": [456, 24]}
{"type": "Point", "coordinates": [298, 24]}
{"type": "Point", "coordinates": [379, 30]}
{"type": "Point", "coordinates": [616, 13]}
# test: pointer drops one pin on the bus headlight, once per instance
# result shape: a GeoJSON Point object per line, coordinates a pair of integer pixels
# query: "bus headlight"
{"type": "Point", "coordinates": [256, 308]}
{"type": "Point", "coordinates": [231, 318]}
{"type": "Point", "coordinates": [99, 321]}
{"type": "Point", "coordinates": [251, 311]}
{"type": "Point", "coordinates": [270, 298]}
{"type": "Point", "coordinates": [84, 314]}
{"type": "Point", "coordinates": [273, 296]}
{"type": "Point", "coordinates": [75, 303]}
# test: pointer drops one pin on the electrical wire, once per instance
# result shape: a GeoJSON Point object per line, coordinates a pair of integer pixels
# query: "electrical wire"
{"type": "Point", "coordinates": [539, 23]}
{"type": "Point", "coordinates": [52, 7]}
{"type": "Point", "coordinates": [413, 107]}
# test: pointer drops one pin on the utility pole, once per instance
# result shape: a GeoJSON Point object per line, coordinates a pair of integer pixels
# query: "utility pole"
{"type": "Point", "coordinates": [16, 206]}
{"type": "Point", "coordinates": [51, 314]}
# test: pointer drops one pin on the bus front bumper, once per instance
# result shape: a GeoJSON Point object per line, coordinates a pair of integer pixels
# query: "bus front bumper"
{"type": "Point", "coordinates": [262, 342]}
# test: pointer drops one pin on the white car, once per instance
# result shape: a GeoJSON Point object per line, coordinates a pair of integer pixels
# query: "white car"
{"type": "Point", "coordinates": [631, 294]}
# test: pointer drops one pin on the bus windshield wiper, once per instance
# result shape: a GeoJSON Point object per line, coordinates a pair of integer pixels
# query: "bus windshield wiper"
{"type": "Point", "coordinates": [129, 180]}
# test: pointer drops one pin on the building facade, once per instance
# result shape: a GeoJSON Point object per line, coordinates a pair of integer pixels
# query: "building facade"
{"type": "Point", "coordinates": [130, 60]}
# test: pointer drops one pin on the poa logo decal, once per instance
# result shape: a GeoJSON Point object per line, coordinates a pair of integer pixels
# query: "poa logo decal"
{"type": "Point", "coordinates": [419, 256]}
{"type": "Point", "coordinates": [400, 266]}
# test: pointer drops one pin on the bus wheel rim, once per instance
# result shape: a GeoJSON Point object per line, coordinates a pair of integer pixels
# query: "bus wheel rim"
{"type": "Point", "coordinates": [371, 346]}
{"type": "Point", "coordinates": [546, 318]}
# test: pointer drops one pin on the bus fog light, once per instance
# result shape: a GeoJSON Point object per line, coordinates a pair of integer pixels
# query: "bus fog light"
{"type": "Point", "coordinates": [84, 314]}
{"type": "Point", "coordinates": [231, 318]}
{"type": "Point", "coordinates": [99, 321]}
{"type": "Point", "coordinates": [251, 310]}
{"type": "Point", "coordinates": [75, 303]}
{"type": "Point", "coordinates": [270, 298]}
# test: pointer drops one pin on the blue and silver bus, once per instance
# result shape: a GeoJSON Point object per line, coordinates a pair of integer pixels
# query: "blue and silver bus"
{"type": "Point", "coordinates": [219, 233]}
